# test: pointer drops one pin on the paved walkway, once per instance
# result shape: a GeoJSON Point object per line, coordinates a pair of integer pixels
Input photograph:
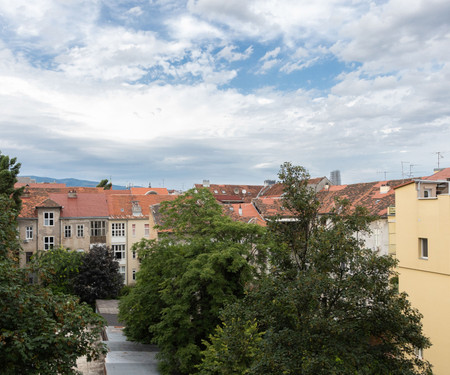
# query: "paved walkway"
{"type": "Point", "coordinates": [124, 357]}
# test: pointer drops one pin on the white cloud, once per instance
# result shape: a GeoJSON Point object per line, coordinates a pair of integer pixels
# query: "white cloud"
{"type": "Point", "coordinates": [229, 53]}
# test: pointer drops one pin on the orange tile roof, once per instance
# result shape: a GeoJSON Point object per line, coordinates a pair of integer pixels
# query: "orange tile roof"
{"type": "Point", "coordinates": [84, 205]}
{"type": "Point", "coordinates": [233, 193]}
{"type": "Point", "coordinates": [441, 175]}
{"type": "Point", "coordinates": [146, 190]}
{"type": "Point", "coordinates": [245, 212]}
{"type": "Point", "coordinates": [120, 206]}
{"type": "Point", "coordinates": [277, 189]}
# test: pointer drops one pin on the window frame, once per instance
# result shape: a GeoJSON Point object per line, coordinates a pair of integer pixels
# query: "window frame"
{"type": "Point", "coordinates": [119, 248]}
{"type": "Point", "coordinates": [49, 242]}
{"type": "Point", "coordinates": [98, 228]}
{"type": "Point", "coordinates": [118, 229]}
{"type": "Point", "coordinates": [67, 231]}
{"type": "Point", "coordinates": [146, 230]}
{"type": "Point", "coordinates": [80, 229]}
{"type": "Point", "coordinates": [29, 232]}
{"type": "Point", "coordinates": [423, 248]}
{"type": "Point", "coordinates": [49, 219]}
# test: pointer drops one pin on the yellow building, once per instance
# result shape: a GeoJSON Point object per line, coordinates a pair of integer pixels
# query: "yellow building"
{"type": "Point", "coordinates": [422, 232]}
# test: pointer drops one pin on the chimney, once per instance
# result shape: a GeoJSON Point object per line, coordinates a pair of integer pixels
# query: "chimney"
{"type": "Point", "coordinates": [136, 209]}
{"type": "Point", "coordinates": [384, 189]}
{"type": "Point", "coordinates": [205, 183]}
{"type": "Point", "coordinates": [72, 194]}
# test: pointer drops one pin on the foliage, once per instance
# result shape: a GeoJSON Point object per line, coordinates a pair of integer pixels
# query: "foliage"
{"type": "Point", "coordinates": [105, 184]}
{"type": "Point", "coordinates": [202, 264]}
{"type": "Point", "coordinates": [10, 205]}
{"type": "Point", "coordinates": [98, 276]}
{"type": "Point", "coordinates": [9, 242]}
{"type": "Point", "coordinates": [327, 308]}
{"type": "Point", "coordinates": [9, 170]}
{"type": "Point", "coordinates": [40, 332]}
{"type": "Point", "coordinates": [57, 269]}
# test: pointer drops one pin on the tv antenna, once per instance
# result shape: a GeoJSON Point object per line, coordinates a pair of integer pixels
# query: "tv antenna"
{"type": "Point", "coordinates": [439, 157]}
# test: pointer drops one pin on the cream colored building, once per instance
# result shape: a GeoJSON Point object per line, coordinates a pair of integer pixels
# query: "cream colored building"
{"type": "Point", "coordinates": [422, 239]}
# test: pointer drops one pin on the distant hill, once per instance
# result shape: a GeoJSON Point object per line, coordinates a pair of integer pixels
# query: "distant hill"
{"type": "Point", "coordinates": [71, 182]}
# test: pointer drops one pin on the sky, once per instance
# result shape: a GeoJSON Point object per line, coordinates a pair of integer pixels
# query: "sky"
{"type": "Point", "coordinates": [172, 92]}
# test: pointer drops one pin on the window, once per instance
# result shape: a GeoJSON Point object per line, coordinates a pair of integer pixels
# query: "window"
{"type": "Point", "coordinates": [122, 272]}
{"type": "Point", "coordinates": [80, 230]}
{"type": "Point", "coordinates": [49, 242]}
{"type": "Point", "coordinates": [427, 193]}
{"type": "Point", "coordinates": [28, 256]}
{"type": "Point", "coordinates": [134, 273]}
{"type": "Point", "coordinates": [29, 233]}
{"type": "Point", "coordinates": [119, 251]}
{"type": "Point", "coordinates": [134, 254]}
{"type": "Point", "coordinates": [418, 352]}
{"type": "Point", "coordinates": [423, 248]}
{"type": "Point", "coordinates": [49, 219]}
{"type": "Point", "coordinates": [67, 231]}
{"type": "Point", "coordinates": [98, 228]}
{"type": "Point", "coordinates": [133, 230]}
{"type": "Point", "coordinates": [146, 230]}
{"type": "Point", "coordinates": [118, 229]}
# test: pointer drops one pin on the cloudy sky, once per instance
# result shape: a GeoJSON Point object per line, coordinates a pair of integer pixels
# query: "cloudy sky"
{"type": "Point", "coordinates": [176, 91]}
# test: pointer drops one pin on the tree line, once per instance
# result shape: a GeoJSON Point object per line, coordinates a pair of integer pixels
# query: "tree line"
{"type": "Point", "coordinates": [302, 296]}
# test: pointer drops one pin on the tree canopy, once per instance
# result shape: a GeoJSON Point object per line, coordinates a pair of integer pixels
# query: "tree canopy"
{"type": "Point", "coordinates": [202, 262]}
{"type": "Point", "coordinates": [105, 184]}
{"type": "Point", "coordinates": [327, 307]}
{"type": "Point", "coordinates": [98, 276]}
{"type": "Point", "coordinates": [40, 332]}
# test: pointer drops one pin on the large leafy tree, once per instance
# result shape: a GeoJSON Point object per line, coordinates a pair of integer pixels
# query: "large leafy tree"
{"type": "Point", "coordinates": [98, 276]}
{"type": "Point", "coordinates": [57, 268]}
{"type": "Point", "coordinates": [40, 333]}
{"type": "Point", "coordinates": [10, 204]}
{"type": "Point", "coordinates": [202, 264]}
{"type": "Point", "coordinates": [327, 307]}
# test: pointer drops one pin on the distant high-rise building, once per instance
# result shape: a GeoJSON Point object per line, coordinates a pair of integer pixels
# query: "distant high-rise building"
{"type": "Point", "coordinates": [335, 177]}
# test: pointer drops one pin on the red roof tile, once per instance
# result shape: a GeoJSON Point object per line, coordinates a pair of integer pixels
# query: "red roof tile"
{"type": "Point", "coordinates": [441, 175]}
{"type": "Point", "coordinates": [84, 205]}
{"type": "Point", "coordinates": [121, 205]}
{"type": "Point", "coordinates": [143, 190]}
{"type": "Point", "coordinates": [233, 193]}
{"type": "Point", "coordinates": [244, 212]}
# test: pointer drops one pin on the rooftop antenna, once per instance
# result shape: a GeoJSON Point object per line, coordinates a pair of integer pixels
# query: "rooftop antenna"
{"type": "Point", "coordinates": [385, 172]}
{"type": "Point", "coordinates": [439, 156]}
{"type": "Point", "coordinates": [410, 169]}
{"type": "Point", "coordinates": [403, 173]}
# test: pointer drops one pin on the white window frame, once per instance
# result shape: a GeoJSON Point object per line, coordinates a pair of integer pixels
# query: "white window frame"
{"type": "Point", "coordinates": [133, 230]}
{"type": "Point", "coordinates": [80, 230]}
{"type": "Point", "coordinates": [123, 271]}
{"type": "Point", "coordinates": [119, 249]}
{"type": "Point", "coordinates": [49, 219]}
{"type": "Point", "coordinates": [67, 231]}
{"type": "Point", "coordinates": [49, 242]}
{"type": "Point", "coordinates": [118, 229]}
{"type": "Point", "coordinates": [29, 233]}
{"type": "Point", "coordinates": [423, 248]}
{"type": "Point", "coordinates": [146, 230]}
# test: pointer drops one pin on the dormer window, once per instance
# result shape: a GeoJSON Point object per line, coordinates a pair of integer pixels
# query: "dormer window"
{"type": "Point", "coordinates": [427, 193]}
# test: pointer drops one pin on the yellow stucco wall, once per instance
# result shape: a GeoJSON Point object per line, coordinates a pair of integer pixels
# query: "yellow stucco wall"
{"type": "Point", "coordinates": [427, 281]}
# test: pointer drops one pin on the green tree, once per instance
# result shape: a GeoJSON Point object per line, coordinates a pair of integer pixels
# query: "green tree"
{"type": "Point", "coordinates": [42, 333]}
{"type": "Point", "coordinates": [9, 170]}
{"type": "Point", "coordinates": [57, 269]}
{"type": "Point", "coordinates": [328, 306]}
{"type": "Point", "coordinates": [105, 184]}
{"type": "Point", "coordinates": [203, 263]}
{"type": "Point", "coordinates": [98, 276]}
{"type": "Point", "coordinates": [10, 205]}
